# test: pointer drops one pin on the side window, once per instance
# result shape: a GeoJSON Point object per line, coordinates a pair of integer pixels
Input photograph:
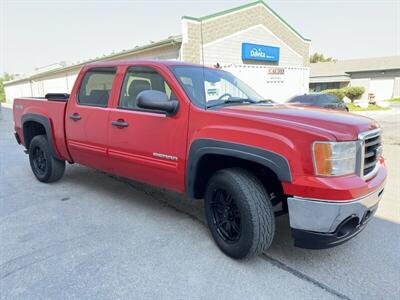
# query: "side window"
{"type": "Point", "coordinates": [96, 87]}
{"type": "Point", "coordinates": [328, 99]}
{"type": "Point", "coordinates": [139, 79]}
{"type": "Point", "coordinates": [306, 99]}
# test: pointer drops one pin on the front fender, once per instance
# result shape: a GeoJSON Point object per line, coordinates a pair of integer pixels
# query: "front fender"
{"type": "Point", "coordinates": [200, 147]}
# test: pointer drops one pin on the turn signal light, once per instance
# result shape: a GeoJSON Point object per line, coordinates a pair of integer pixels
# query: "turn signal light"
{"type": "Point", "coordinates": [334, 158]}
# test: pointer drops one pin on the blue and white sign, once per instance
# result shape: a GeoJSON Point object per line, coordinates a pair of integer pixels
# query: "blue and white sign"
{"type": "Point", "coordinates": [260, 52]}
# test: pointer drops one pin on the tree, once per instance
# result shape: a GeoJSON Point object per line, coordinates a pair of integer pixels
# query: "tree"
{"type": "Point", "coordinates": [5, 77]}
{"type": "Point", "coordinates": [319, 57]}
{"type": "Point", "coordinates": [336, 92]}
{"type": "Point", "coordinates": [351, 92]}
{"type": "Point", "coordinates": [354, 92]}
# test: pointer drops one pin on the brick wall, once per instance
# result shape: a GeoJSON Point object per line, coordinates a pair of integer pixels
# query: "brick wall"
{"type": "Point", "coordinates": [221, 26]}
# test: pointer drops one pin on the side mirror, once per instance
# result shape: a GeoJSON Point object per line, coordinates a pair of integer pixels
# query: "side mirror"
{"type": "Point", "coordinates": [156, 100]}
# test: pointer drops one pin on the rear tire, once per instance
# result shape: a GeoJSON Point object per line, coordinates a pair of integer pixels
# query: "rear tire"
{"type": "Point", "coordinates": [239, 213]}
{"type": "Point", "coordinates": [44, 166]}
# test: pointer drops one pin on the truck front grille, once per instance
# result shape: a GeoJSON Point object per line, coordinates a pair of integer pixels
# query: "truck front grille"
{"type": "Point", "coordinates": [372, 142]}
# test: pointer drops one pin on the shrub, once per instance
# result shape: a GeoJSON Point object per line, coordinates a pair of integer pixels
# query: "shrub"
{"type": "Point", "coordinates": [353, 92]}
{"type": "Point", "coordinates": [336, 92]}
{"type": "Point", "coordinates": [353, 107]}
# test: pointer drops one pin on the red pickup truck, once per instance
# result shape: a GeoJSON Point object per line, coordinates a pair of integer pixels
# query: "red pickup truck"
{"type": "Point", "coordinates": [203, 132]}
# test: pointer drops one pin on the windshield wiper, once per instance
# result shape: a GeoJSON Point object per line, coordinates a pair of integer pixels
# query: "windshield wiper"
{"type": "Point", "coordinates": [266, 101]}
{"type": "Point", "coordinates": [233, 100]}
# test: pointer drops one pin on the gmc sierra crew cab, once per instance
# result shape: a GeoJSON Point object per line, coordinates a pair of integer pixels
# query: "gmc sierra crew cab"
{"type": "Point", "coordinates": [203, 132]}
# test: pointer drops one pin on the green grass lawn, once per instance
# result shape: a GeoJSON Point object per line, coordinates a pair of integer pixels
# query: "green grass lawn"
{"type": "Point", "coordinates": [352, 107]}
{"type": "Point", "coordinates": [393, 100]}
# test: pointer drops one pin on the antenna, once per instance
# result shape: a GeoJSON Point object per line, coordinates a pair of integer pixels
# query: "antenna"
{"type": "Point", "coordinates": [202, 62]}
{"type": "Point", "coordinates": [202, 42]}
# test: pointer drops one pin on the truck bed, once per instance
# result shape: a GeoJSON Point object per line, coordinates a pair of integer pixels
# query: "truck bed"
{"type": "Point", "coordinates": [53, 110]}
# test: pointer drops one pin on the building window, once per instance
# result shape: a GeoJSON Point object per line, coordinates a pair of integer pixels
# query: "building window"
{"type": "Point", "coordinates": [321, 86]}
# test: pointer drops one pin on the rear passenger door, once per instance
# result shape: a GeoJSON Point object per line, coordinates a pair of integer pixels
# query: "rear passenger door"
{"type": "Point", "coordinates": [87, 115]}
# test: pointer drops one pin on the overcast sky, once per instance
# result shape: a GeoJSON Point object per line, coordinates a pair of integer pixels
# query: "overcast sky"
{"type": "Point", "coordinates": [39, 33]}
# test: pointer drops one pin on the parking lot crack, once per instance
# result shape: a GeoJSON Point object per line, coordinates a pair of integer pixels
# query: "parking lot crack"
{"type": "Point", "coordinates": [40, 255]}
{"type": "Point", "coordinates": [303, 276]}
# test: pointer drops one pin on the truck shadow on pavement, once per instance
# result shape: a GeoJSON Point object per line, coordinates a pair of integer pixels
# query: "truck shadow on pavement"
{"type": "Point", "coordinates": [143, 194]}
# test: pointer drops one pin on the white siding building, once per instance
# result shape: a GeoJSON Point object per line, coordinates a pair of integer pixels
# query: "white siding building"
{"type": "Point", "coordinates": [251, 41]}
{"type": "Point", "coordinates": [379, 76]}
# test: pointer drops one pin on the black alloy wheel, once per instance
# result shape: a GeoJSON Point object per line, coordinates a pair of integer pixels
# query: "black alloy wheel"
{"type": "Point", "coordinates": [45, 166]}
{"type": "Point", "coordinates": [39, 161]}
{"type": "Point", "coordinates": [239, 213]}
{"type": "Point", "coordinates": [226, 216]}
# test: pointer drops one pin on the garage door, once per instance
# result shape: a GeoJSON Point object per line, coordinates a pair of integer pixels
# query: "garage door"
{"type": "Point", "coordinates": [382, 88]}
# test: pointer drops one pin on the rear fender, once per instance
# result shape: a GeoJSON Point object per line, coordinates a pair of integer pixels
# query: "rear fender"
{"type": "Point", "coordinates": [45, 122]}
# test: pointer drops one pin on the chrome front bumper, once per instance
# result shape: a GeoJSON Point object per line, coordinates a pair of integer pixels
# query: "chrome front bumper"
{"type": "Point", "coordinates": [325, 216]}
{"type": "Point", "coordinates": [318, 224]}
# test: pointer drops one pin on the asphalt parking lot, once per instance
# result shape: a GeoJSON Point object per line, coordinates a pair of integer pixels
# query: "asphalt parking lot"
{"type": "Point", "coordinates": [92, 236]}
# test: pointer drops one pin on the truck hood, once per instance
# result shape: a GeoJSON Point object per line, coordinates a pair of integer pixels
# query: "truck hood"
{"type": "Point", "coordinates": [343, 126]}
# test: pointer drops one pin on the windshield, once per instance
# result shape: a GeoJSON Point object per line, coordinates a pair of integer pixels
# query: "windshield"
{"type": "Point", "coordinates": [211, 87]}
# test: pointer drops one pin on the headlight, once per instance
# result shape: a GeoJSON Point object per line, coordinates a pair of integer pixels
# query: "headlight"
{"type": "Point", "coordinates": [334, 158]}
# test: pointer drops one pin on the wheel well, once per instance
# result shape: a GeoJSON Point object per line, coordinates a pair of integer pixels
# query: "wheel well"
{"type": "Point", "coordinates": [210, 163]}
{"type": "Point", "coordinates": [32, 129]}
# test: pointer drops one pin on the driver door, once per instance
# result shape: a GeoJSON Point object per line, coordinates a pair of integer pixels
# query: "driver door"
{"type": "Point", "coordinates": [148, 145]}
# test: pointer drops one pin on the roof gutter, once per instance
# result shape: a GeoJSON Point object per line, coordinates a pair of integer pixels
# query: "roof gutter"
{"type": "Point", "coordinates": [259, 2]}
{"type": "Point", "coordinates": [167, 42]}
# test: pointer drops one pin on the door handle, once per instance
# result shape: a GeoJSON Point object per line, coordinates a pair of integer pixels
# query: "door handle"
{"type": "Point", "coordinates": [75, 117]}
{"type": "Point", "coordinates": [119, 123]}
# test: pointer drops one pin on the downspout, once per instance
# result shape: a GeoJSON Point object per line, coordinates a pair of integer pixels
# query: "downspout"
{"type": "Point", "coordinates": [66, 79]}
{"type": "Point", "coordinates": [30, 85]}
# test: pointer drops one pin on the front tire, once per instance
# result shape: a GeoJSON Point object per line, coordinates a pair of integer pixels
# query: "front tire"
{"type": "Point", "coordinates": [239, 213]}
{"type": "Point", "coordinates": [44, 166]}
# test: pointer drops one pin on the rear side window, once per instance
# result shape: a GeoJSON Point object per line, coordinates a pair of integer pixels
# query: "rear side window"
{"type": "Point", "coordinates": [96, 87]}
{"type": "Point", "coordinates": [328, 99]}
{"type": "Point", "coordinates": [139, 79]}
